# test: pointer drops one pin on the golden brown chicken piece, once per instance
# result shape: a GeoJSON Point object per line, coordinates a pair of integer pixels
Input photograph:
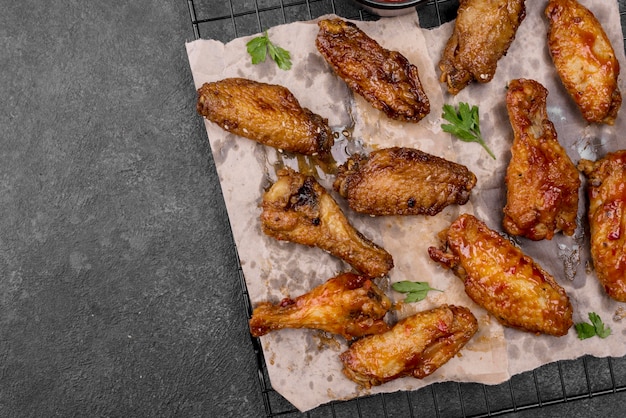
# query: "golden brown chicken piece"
{"type": "Point", "coordinates": [504, 281]}
{"type": "Point", "coordinates": [298, 209]}
{"type": "Point", "coordinates": [483, 33]}
{"type": "Point", "coordinates": [542, 181]}
{"type": "Point", "coordinates": [386, 79]}
{"type": "Point", "coordinates": [402, 181]}
{"type": "Point", "coordinates": [416, 346]}
{"type": "Point", "coordinates": [349, 305]}
{"type": "Point", "coordinates": [266, 113]}
{"type": "Point", "coordinates": [584, 59]}
{"type": "Point", "coordinates": [607, 220]}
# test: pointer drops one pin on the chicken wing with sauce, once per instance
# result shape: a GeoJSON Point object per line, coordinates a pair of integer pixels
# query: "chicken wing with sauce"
{"type": "Point", "coordinates": [542, 181]}
{"type": "Point", "coordinates": [298, 209]}
{"type": "Point", "coordinates": [504, 281]}
{"type": "Point", "coordinates": [483, 32]}
{"type": "Point", "coordinates": [584, 59]}
{"type": "Point", "coordinates": [402, 181]}
{"type": "Point", "coordinates": [349, 305]}
{"type": "Point", "coordinates": [416, 346]}
{"type": "Point", "coordinates": [386, 79]}
{"type": "Point", "coordinates": [266, 113]}
{"type": "Point", "coordinates": [607, 220]}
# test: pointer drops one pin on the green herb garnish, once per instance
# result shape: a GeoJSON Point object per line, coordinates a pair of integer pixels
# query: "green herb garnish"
{"type": "Point", "coordinates": [597, 327]}
{"type": "Point", "coordinates": [258, 48]}
{"type": "Point", "coordinates": [464, 124]}
{"type": "Point", "coordinates": [415, 291]}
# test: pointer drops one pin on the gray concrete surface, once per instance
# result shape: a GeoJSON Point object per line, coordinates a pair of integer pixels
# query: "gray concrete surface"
{"type": "Point", "coordinates": [119, 291]}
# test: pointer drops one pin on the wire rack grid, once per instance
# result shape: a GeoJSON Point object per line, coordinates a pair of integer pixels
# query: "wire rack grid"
{"type": "Point", "coordinates": [555, 383]}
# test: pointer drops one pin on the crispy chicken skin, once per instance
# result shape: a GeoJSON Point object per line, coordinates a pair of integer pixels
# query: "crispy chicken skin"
{"type": "Point", "coordinates": [606, 189]}
{"type": "Point", "coordinates": [298, 209]}
{"type": "Point", "coordinates": [504, 281]}
{"type": "Point", "coordinates": [349, 305]}
{"type": "Point", "coordinates": [584, 59]}
{"type": "Point", "coordinates": [386, 79]}
{"type": "Point", "coordinates": [266, 113]}
{"type": "Point", "coordinates": [542, 181]}
{"type": "Point", "coordinates": [402, 181]}
{"type": "Point", "coordinates": [415, 346]}
{"type": "Point", "coordinates": [483, 33]}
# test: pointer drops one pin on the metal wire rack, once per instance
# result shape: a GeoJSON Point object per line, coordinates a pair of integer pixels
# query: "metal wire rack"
{"type": "Point", "coordinates": [560, 382]}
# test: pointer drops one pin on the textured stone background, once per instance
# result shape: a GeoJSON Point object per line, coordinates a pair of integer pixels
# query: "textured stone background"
{"type": "Point", "coordinates": [119, 292]}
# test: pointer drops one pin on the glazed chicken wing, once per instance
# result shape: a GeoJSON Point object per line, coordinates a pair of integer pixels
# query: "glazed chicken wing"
{"type": "Point", "coordinates": [483, 33]}
{"type": "Point", "coordinates": [266, 113]}
{"type": "Point", "coordinates": [607, 220]}
{"type": "Point", "coordinates": [349, 305]}
{"type": "Point", "coordinates": [298, 209]}
{"type": "Point", "coordinates": [402, 181]}
{"type": "Point", "coordinates": [542, 182]}
{"type": "Point", "coordinates": [504, 281]}
{"type": "Point", "coordinates": [386, 79]}
{"type": "Point", "coordinates": [416, 346]}
{"type": "Point", "coordinates": [584, 59]}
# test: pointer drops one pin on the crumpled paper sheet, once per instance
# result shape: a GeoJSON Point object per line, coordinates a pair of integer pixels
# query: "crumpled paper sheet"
{"type": "Point", "coordinates": [303, 365]}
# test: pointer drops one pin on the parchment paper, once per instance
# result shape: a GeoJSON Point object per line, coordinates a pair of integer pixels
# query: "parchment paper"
{"type": "Point", "coordinates": [303, 365]}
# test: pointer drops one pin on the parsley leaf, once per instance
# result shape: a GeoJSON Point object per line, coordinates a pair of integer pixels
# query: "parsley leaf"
{"type": "Point", "coordinates": [602, 330]}
{"type": "Point", "coordinates": [585, 330]}
{"type": "Point", "coordinates": [280, 56]}
{"type": "Point", "coordinates": [259, 47]}
{"type": "Point", "coordinates": [464, 124]}
{"type": "Point", "coordinates": [597, 327]}
{"type": "Point", "coordinates": [415, 291]}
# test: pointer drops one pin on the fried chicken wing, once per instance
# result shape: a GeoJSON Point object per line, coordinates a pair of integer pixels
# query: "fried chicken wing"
{"type": "Point", "coordinates": [542, 181]}
{"type": "Point", "coordinates": [483, 33]}
{"type": "Point", "coordinates": [298, 209]}
{"type": "Point", "coordinates": [416, 346]}
{"type": "Point", "coordinates": [606, 188]}
{"type": "Point", "coordinates": [584, 59]}
{"type": "Point", "coordinates": [266, 113]}
{"type": "Point", "coordinates": [402, 181]}
{"type": "Point", "coordinates": [386, 79]}
{"type": "Point", "coordinates": [349, 305]}
{"type": "Point", "coordinates": [504, 281]}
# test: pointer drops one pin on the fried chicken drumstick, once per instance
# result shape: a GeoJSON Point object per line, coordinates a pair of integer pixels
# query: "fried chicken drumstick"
{"type": "Point", "coordinates": [606, 188]}
{"type": "Point", "coordinates": [298, 209]}
{"type": "Point", "coordinates": [266, 113]}
{"type": "Point", "coordinates": [386, 79]}
{"type": "Point", "coordinates": [584, 59]}
{"type": "Point", "coordinates": [483, 33]}
{"type": "Point", "coordinates": [542, 181]}
{"type": "Point", "coordinates": [349, 305]}
{"type": "Point", "coordinates": [504, 281]}
{"type": "Point", "coordinates": [402, 181]}
{"type": "Point", "coordinates": [416, 346]}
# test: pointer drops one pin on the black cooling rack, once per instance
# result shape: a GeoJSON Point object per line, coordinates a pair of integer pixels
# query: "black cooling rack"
{"type": "Point", "coordinates": [555, 383]}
